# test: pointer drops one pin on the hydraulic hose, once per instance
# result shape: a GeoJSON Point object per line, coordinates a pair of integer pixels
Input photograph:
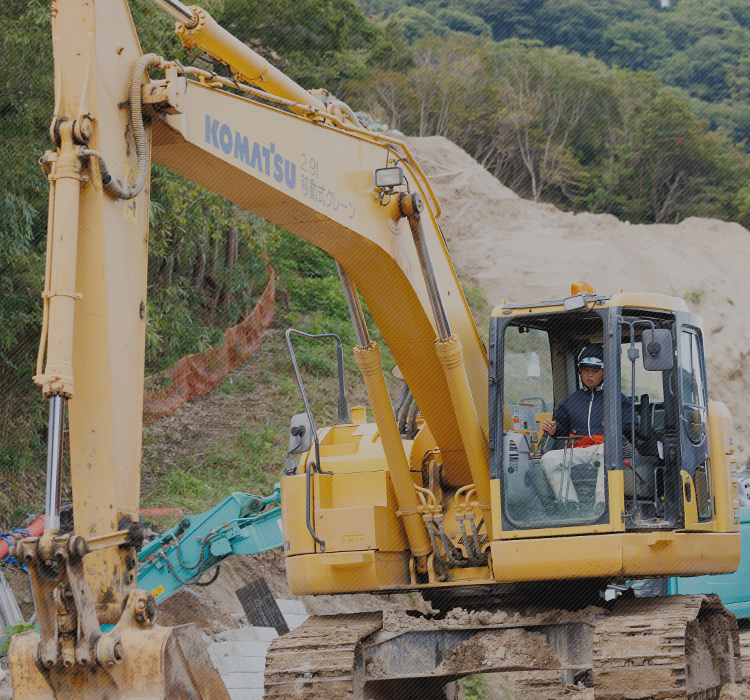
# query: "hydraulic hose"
{"type": "Point", "coordinates": [139, 134]}
{"type": "Point", "coordinates": [467, 543]}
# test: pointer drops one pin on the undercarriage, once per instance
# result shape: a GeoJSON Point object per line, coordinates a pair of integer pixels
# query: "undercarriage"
{"type": "Point", "coordinates": [675, 647]}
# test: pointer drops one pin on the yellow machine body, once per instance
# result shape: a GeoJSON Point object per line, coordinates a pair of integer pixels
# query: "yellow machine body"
{"type": "Point", "coordinates": [606, 550]}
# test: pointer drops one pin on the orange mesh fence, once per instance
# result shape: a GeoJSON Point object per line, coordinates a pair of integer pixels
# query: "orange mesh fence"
{"type": "Point", "coordinates": [195, 375]}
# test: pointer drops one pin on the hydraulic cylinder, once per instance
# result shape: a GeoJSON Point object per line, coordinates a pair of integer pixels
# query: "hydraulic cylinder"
{"type": "Point", "coordinates": [61, 297]}
{"type": "Point", "coordinates": [206, 34]}
{"type": "Point", "coordinates": [451, 356]}
{"type": "Point", "coordinates": [369, 361]}
{"type": "Point", "coordinates": [450, 352]}
{"type": "Point", "coordinates": [368, 358]}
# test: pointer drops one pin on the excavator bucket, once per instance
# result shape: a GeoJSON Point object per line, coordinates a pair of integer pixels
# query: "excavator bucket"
{"type": "Point", "coordinates": [160, 662]}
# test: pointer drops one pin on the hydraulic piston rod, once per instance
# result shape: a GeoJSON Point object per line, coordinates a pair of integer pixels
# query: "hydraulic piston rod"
{"type": "Point", "coordinates": [206, 34]}
{"type": "Point", "coordinates": [180, 12]}
{"type": "Point", "coordinates": [54, 462]}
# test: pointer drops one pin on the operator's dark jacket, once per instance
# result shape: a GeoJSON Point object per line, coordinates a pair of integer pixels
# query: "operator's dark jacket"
{"type": "Point", "coordinates": [582, 413]}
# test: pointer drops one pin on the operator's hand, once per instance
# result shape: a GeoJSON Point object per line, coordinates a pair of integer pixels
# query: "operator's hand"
{"type": "Point", "coordinates": [550, 426]}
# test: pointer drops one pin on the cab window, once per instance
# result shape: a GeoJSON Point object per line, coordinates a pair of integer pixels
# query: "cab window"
{"type": "Point", "coordinates": [528, 375]}
{"type": "Point", "coordinates": [693, 388]}
{"type": "Point", "coordinates": [564, 483]}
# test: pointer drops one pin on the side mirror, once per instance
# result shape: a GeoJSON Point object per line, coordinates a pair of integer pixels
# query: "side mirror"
{"type": "Point", "coordinates": [658, 355]}
{"type": "Point", "coordinates": [300, 434]}
{"type": "Point", "coordinates": [300, 440]}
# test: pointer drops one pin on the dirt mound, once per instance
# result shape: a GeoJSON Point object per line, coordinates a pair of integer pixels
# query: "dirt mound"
{"type": "Point", "coordinates": [540, 250]}
{"type": "Point", "coordinates": [509, 649]}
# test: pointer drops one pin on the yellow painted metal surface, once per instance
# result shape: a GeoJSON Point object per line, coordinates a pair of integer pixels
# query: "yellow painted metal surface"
{"type": "Point", "coordinates": [640, 300]}
{"type": "Point", "coordinates": [691, 506]}
{"type": "Point", "coordinates": [317, 182]}
{"type": "Point", "coordinates": [60, 294]}
{"type": "Point", "coordinates": [496, 503]}
{"type": "Point", "coordinates": [297, 539]}
{"type": "Point", "coordinates": [363, 527]}
{"type": "Point", "coordinates": [358, 511]}
{"type": "Point", "coordinates": [450, 353]}
{"type": "Point", "coordinates": [160, 663]}
{"type": "Point", "coordinates": [247, 65]}
{"type": "Point", "coordinates": [418, 449]}
{"type": "Point", "coordinates": [369, 361]}
{"type": "Point", "coordinates": [347, 572]}
{"type": "Point", "coordinates": [616, 481]}
{"type": "Point", "coordinates": [723, 467]}
{"type": "Point", "coordinates": [615, 555]}
{"type": "Point", "coordinates": [95, 48]}
{"type": "Point", "coordinates": [366, 489]}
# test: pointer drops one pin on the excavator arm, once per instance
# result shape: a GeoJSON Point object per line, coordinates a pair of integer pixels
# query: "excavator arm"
{"type": "Point", "coordinates": [198, 544]}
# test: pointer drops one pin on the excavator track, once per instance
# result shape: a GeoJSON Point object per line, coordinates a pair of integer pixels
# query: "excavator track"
{"type": "Point", "coordinates": [666, 647]}
{"type": "Point", "coordinates": [677, 647]}
{"type": "Point", "coordinates": [317, 660]}
{"type": "Point", "coordinates": [684, 647]}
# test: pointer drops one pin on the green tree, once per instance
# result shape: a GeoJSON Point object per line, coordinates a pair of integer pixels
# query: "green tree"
{"type": "Point", "coordinates": [542, 102]}
{"type": "Point", "coordinates": [318, 43]}
{"type": "Point", "coordinates": [636, 45]}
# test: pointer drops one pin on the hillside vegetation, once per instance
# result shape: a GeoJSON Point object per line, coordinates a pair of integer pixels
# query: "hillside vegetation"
{"type": "Point", "coordinates": [553, 122]}
{"type": "Point", "coordinates": [699, 47]}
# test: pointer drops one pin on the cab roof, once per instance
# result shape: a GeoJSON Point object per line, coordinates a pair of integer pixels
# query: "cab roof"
{"type": "Point", "coordinates": [641, 300]}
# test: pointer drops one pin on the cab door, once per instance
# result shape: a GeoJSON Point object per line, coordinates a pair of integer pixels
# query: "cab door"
{"type": "Point", "coordinates": [693, 419]}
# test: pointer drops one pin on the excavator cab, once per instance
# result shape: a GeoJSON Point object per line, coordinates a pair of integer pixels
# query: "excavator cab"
{"type": "Point", "coordinates": [653, 417]}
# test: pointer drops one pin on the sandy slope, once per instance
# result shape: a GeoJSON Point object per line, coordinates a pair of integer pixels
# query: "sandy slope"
{"type": "Point", "coordinates": [539, 250]}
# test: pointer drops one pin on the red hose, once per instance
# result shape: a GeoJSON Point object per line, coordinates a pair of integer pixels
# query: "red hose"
{"type": "Point", "coordinates": [36, 529]}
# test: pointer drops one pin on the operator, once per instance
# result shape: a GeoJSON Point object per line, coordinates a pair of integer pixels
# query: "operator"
{"type": "Point", "coordinates": [582, 413]}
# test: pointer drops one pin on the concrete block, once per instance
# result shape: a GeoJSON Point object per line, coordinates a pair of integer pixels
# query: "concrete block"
{"type": "Point", "coordinates": [248, 634]}
{"type": "Point", "coordinates": [245, 694]}
{"type": "Point", "coordinates": [220, 649]}
{"type": "Point", "coordinates": [293, 607]}
{"type": "Point", "coordinates": [246, 665]}
{"type": "Point", "coordinates": [245, 681]}
{"type": "Point", "coordinates": [294, 621]}
{"type": "Point", "coordinates": [252, 649]}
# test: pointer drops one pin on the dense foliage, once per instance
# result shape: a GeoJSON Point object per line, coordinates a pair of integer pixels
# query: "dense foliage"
{"type": "Point", "coordinates": [553, 124]}
{"type": "Point", "coordinates": [207, 260]}
{"type": "Point", "coordinates": [700, 47]}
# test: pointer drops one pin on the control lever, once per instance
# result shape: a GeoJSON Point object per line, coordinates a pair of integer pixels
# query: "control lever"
{"type": "Point", "coordinates": [540, 447]}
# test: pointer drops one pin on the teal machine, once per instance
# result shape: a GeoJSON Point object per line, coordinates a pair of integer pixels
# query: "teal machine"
{"type": "Point", "coordinates": [733, 588]}
{"type": "Point", "coordinates": [198, 544]}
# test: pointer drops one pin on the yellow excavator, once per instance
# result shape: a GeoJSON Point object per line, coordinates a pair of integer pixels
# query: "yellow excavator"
{"type": "Point", "coordinates": [460, 494]}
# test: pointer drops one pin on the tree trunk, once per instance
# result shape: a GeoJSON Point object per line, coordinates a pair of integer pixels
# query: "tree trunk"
{"type": "Point", "coordinates": [232, 248]}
